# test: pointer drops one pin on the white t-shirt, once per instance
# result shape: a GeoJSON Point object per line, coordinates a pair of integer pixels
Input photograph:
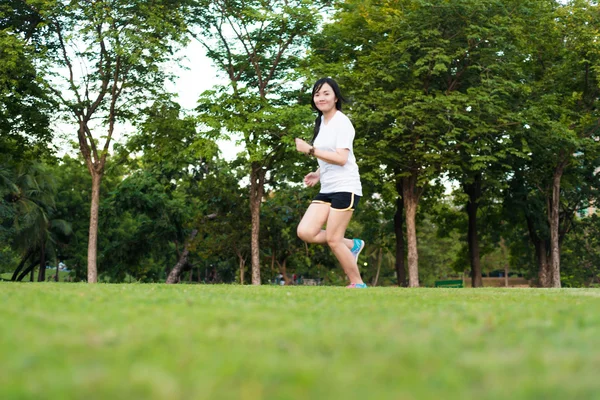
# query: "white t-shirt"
{"type": "Point", "coordinates": [338, 133]}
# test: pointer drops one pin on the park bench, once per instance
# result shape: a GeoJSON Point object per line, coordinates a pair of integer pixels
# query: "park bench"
{"type": "Point", "coordinates": [451, 283]}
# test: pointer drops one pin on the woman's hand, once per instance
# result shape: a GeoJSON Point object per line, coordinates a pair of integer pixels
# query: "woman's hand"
{"type": "Point", "coordinates": [312, 178]}
{"type": "Point", "coordinates": [302, 146]}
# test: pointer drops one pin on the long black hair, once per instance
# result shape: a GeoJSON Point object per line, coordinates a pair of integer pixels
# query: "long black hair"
{"type": "Point", "coordinates": [338, 103]}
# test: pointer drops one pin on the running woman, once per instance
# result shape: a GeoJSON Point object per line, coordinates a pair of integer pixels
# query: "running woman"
{"type": "Point", "coordinates": [340, 182]}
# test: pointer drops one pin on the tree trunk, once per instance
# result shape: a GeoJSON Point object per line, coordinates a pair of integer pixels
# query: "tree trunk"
{"type": "Point", "coordinates": [28, 270]}
{"type": "Point", "coordinates": [473, 190]}
{"type": "Point", "coordinates": [543, 265]}
{"type": "Point", "coordinates": [411, 196]}
{"type": "Point", "coordinates": [242, 267]}
{"type": "Point", "coordinates": [283, 270]}
{"type": "Point", "coordinates": [398, 230]}
{"type": "Point", "coordinates": [505, 256]}
{"type": "Point", "coordinates": [242, 263]}
{"type": "Point", "coordinates": [175, 273]}
{"type": "Point", "coordinates": [31, 274]}
{"type": "Point", "coordinates": [92, 258]}
{"type": "Point", "coordinates": [553, 219]}
{"type": "Point", "coordinates": [257, 180]}
{"type": "Point", "coordinates": [21, 264]}
{"type": "Point", "coordinates": [379, 261]}
{"type": "Point", "coordinates": [541, 254]}
{"type": "Point", "coordinates": [42, 271]}
{"type": "Point", "coordinates": [272, 260]}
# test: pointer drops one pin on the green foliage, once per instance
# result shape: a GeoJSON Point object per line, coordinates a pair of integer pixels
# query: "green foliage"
{"type": "Point", "coordinates": [281, 248]}
{"type": "Point", "coordinates": [503, 93]}
{"type": "Point", "coordinates": [374, 223]}
{"type": "Point", "coordinates": [426, 81]}
{"type": "Point", "coordinates": [257, 45]}
{"type": "Point", "coordinates": [103, 64]}
{"type": "Point", "coordinates": [560, 115]}
{"type": "Point", "coordinates": [72, 203]}
{"type": "Point", "coordinates": [581, 254]}
{"type": "Point", "coordinates": [471, 91]}
{"type": "Point", "coordinates": [31, 229]}
{"type": "Point", "coordinates": [440, 257]}
{"type": "Point", "coordinates": [119, 45]}
{"type": "Point", "coordinates": [25, 106]}
{"type": "Point", "coordinates": [175, 184]}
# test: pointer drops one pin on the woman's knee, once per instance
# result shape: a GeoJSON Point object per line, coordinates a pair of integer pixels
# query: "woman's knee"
{"type": "Point", "coordinates": [304, 234]}
{"type": "Point", "coordinates": [334, 241]}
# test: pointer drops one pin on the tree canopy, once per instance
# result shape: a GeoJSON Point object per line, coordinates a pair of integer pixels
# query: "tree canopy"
{"type": "Point", "coordinates": [477, 138]}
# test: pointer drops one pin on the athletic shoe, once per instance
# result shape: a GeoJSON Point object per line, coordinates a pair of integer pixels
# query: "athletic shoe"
{"type": "Point", "coordinates": [357, 286]}
{"type": "Point", "coordinates": [359, 245]}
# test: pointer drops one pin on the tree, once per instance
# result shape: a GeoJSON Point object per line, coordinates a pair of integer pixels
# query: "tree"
{"type": "Point", "coordinates": [257, 45]}
{"type": "Point", "coordinates": [282, 210]}
{"type": "Point", "coordinates": [581, 266]}
{"type": "Point", "coordinates": [25, 105]}
{"type": "Point", "coordinates": [72, 204]}
{"type": "Point", "coordinates": [488, 67]}
{"type": "Point", "coordinates": [72, 198]}
{"type": "Point", "coordinates": [376, 216]}
{"type": "Point", "coordinates": [412, 69]}
{"type": "Point", "coordinates": [167, 183]}
{"type": "Point", "coordinates": [119, 46]}
{"type": "Point", "coordinates": [32, 197]}
{"type": "Point", "coordinates": [561, 111]}
{"type": "Point", "coordinates": [529, 193]}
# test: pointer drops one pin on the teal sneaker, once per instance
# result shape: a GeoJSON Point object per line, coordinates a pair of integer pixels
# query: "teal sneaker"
{"type": "Point", "coordinates": [359, 245]}
{"type": "Point", "coordinates": [357, 286]}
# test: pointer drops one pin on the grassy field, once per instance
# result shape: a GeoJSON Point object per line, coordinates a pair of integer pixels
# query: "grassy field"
{"type": "Point", "coordinates": [74, 341]}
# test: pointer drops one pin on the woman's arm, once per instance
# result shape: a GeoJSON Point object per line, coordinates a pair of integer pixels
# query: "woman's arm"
{"type": "Point", "coordinates": [312, 178]}
{"type": "Point", "coordinates": [337, 157]}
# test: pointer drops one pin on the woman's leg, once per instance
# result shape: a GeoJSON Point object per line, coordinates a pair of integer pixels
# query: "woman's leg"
{"type": "Point", "coordinates": [337, 222]}
{"type": "Point", "coordinates": [311, 229]}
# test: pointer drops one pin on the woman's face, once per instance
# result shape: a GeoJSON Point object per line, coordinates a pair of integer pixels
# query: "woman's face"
{"type": "Point", "coordinates": [324, 98]}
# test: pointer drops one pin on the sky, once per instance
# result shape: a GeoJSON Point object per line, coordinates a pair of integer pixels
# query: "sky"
{"type": "Point", "coordinates": [195, 75]}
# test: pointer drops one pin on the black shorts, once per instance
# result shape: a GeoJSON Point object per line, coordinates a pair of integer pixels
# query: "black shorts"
{"type": "Point", "coordinates": [341, 201]}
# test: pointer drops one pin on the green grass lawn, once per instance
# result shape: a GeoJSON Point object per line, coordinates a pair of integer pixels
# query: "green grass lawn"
{"type": "Point", "coordinates": [63, 341]}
